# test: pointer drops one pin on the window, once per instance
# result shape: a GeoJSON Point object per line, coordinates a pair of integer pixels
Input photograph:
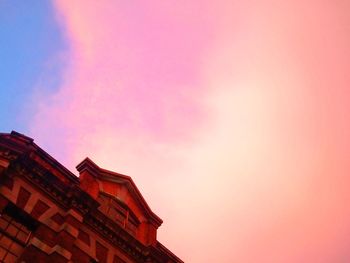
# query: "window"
{"type": "Point", "coordinates": [119, 212]}
{"type": "Point", "coordinates": [16, 227]}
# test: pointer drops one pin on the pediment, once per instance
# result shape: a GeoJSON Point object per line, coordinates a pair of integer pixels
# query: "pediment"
{"type": "Point", "coordinates": [119, 194]}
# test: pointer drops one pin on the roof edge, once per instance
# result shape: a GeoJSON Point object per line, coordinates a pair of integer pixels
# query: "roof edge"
{"type": "Point", "coordinates": [88, 165]}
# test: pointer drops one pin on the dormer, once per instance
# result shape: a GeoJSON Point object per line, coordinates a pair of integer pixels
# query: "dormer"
{"type": "Point", "coordinates": [120, 200]}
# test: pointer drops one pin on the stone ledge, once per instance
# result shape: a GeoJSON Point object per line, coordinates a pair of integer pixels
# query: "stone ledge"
{"type": "Point", "coordinates": [49, 250]}
{"type": "Point", "coordinates": [74, 232]}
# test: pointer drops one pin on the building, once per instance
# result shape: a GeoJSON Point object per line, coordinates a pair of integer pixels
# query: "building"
{"type": "Point", "coordinates": [47, 214]}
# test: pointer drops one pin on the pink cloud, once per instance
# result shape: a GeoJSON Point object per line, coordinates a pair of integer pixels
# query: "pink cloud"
{"type": "Point", "coordinates": [232, 119]}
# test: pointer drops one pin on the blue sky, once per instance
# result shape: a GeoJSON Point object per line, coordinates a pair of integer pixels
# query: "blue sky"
{"type": "Point", "coordinates": [30, 46]}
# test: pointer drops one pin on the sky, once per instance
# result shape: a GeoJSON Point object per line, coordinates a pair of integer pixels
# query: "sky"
{"type": "Point", "coordinates": [232, 117]}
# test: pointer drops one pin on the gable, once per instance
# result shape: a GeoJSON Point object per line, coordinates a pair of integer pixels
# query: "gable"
{"type": "Point", "coordinates": [120, 200]}
{"type": "Point", "coordinates": [115, 184]}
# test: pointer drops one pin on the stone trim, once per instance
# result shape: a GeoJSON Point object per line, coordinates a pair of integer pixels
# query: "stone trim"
{"type": "Point", "coordinates": [11, 194]}
{"type": "Point", "coordinates": [75, 214]}
{"type": "Point", "coordinates": [49, 250]}
{"type": "Point", "coordinates": [69, 229]}
{"type": "Point", "coordinates": [33, 199]}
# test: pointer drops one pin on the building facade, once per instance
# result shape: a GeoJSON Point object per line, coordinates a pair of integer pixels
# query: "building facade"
{"type": "Point", "coordinates": [47, 214]}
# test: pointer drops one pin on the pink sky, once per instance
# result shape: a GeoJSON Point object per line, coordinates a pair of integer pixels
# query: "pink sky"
{"type": "Point", "coordinates": [232, 117]}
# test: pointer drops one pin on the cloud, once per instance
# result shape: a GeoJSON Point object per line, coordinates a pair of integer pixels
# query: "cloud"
{"type": "Point", "coordinates": [231, 118]}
